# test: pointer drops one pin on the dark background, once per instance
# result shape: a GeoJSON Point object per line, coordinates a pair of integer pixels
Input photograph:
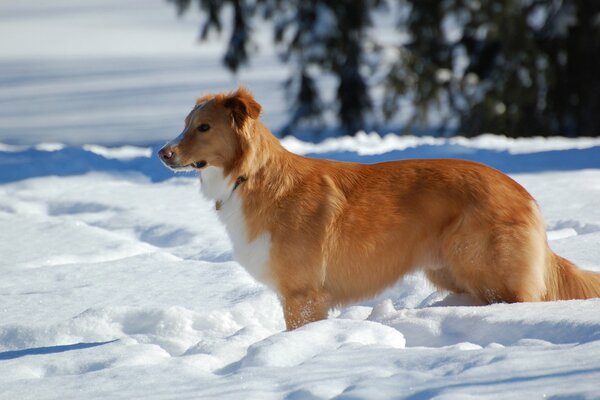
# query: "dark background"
{"type": "Point", "coordinates": [511, 67]}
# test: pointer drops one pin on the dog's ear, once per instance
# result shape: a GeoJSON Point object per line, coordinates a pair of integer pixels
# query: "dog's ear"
{"type": "Point", "coordinates": [204, 99]}
{"type": "Point", "coordinates": [242, 106]}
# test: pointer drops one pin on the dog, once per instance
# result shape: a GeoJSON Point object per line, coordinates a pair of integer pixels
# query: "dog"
{"type": "Point", "coordinates": [326, 233]}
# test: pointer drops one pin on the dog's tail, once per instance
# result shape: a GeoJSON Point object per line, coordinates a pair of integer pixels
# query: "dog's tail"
{"type": "Point", "coordinates": [564, 281]}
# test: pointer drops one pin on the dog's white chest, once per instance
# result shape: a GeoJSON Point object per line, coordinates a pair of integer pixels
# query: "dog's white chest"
{"type": "Point", "coordinates": [253, 255]}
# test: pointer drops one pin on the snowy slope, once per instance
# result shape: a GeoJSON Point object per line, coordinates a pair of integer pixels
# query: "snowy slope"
{"type": "Point", "coordinates": [118, 71]}
{"type": "Point", "coordinates": [116, 286]}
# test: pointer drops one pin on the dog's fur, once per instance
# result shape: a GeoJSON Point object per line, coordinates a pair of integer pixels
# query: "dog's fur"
{"type": "Point", "coordinates": [325, 233]}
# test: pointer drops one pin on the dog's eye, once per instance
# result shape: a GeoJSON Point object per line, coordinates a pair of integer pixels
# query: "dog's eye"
{"type": "Point", "coordinates": [203, 128]}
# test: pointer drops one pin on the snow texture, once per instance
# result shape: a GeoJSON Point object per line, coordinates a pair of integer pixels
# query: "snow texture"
{"type": "Point", "coordinates": [118, 279]}
{"type": "Point", "coordinates": [115, 286]}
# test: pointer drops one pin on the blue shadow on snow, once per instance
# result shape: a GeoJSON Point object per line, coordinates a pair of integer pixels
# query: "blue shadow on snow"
{"type": "Point", "coordinates": [30, 163]}
{"type": "Point", "coordinates": [10, 355]}
{"type": "Point", "coordinates": [554, 160]}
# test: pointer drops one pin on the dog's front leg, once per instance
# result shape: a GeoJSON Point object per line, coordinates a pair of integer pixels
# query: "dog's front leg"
{"type": "Point", "coordinates": [302, 307]}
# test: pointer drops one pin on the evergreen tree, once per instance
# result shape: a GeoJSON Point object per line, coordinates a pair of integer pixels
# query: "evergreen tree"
{"type": "Point", "coordinates": [318, 37]}
{"type": "Point", "coordinates": [236, 54]}
{"type": "Point", "coordinates": [513, 67]}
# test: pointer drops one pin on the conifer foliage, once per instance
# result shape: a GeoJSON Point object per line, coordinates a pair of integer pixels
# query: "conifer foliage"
{"type": "Point", "coordinates": [513, 67]}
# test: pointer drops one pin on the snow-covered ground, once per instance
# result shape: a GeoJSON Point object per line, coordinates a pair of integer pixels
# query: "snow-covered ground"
{"type": "Point", "coordinates": [115, 286]}
{"type": "Point", "coordinates": [118, 281]}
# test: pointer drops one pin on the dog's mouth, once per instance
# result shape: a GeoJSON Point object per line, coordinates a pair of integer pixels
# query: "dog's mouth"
{"type": "Point", "coordinates": [170, 159]}
{"type": "Point", "coordinates": [198, 165]}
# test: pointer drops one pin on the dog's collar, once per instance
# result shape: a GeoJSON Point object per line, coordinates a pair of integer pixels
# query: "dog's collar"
{"type": "Point", "coordinates": [240, 179]}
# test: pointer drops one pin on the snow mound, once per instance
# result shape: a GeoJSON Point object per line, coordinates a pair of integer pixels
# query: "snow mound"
{"type": "Point", "coordinates": [366, 144]}
{"type": "Point", "coordinates": [289, 349]}
{"type": "Point", "coordinates": [561, 322]}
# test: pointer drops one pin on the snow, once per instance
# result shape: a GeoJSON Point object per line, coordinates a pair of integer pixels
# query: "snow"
{"type": "Point", "coordinates": [119, 72]}
{"type": "Point", "coordinates": [117, 285]}
{"type": "Point", "coordinates": [118, 279]}
{"type": "Point", "coordinates": [372, 143]}
{"type": "Point", "coordinates": [119, 153]}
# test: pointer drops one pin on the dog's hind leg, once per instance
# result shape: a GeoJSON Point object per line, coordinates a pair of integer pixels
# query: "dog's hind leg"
{"type": "Point", "coordinates": [442, 279]}
{"type": "Point", "coordinates": [502, 263]}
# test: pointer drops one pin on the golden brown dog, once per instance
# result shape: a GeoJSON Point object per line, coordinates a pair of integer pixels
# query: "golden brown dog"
{"type": "Point", "coordinates": [325, 233]}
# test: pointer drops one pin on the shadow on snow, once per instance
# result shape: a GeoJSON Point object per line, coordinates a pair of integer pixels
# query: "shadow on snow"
{"type": "Point", "coordinates": [71, 161]}
{"type": "Point", "coordinates": [10, 355]}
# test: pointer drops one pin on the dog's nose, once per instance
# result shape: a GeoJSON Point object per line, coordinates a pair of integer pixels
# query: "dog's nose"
{"type": "Point", "coordinates": [165, 153]}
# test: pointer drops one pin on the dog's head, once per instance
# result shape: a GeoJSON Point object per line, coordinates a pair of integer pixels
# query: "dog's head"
{"type": "Point", "coordinates": [216, 132]}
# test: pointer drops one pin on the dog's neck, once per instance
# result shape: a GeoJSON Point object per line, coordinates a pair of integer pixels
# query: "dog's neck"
{"type": "Point", "coordinates": [264, 165]}
{"type": "Point", "coordinates": [215, 185]}
{"type": "Point", "coordinates": [219, 203]}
